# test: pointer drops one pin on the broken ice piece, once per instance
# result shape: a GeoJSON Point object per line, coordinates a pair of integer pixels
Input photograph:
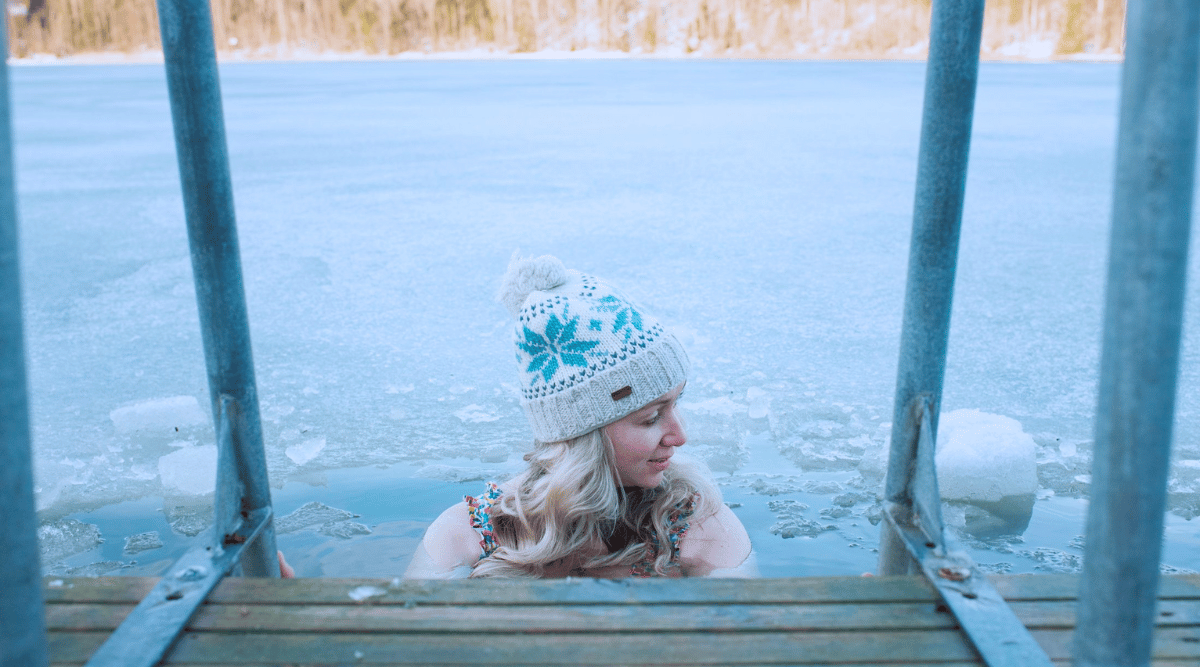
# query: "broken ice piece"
{"type": "Point", "coordinates": [136, 544]}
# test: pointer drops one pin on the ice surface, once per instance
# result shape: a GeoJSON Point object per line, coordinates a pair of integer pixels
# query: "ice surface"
{"type": "Point", "coordinates": [704, 189]}
{"type": "Point", "coordinates": [188, 515]}
{"type": "Point", "coordinates": [66, 537]}
{"type": "Point", "coordinates": [191, 470]}
{"type": "Point", "coordinates": [136, 544]}
{"type": "Point", "coordinates": [758, 402]}
{"type": "Point", "coordinates": [984, 457]}
{"type": "Point", "coordinates": [163, 415]}
{"type": "Point", "coordinates": [305, 451]}
{"type": "Point", "coordinates": [325, 519]}
{"type": "Point", "coordinates": [792, 522]}
{"type": "Point", "coordinates": [476, 414]}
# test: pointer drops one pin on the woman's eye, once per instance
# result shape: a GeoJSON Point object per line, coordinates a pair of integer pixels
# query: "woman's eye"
{"type": "Point", "coordinates": [652, 419]}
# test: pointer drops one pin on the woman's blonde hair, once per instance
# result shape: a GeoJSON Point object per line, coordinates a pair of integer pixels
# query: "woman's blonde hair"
{"type": "Point", "coordinates": [568, 501]}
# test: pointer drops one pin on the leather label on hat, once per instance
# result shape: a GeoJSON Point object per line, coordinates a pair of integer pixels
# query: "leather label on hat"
{"type": "Point", "coordinates": [623, 392]}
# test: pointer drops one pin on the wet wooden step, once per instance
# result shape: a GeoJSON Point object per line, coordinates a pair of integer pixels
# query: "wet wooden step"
{"type": "Point", "coordinates": [798, 621]}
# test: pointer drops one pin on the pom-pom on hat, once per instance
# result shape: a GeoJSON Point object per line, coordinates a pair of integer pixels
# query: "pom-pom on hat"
{"type": "Point", "coordinates": [586, 355]}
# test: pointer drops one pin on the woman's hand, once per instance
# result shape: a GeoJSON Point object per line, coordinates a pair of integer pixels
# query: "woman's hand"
{"type": "Point", "coordinates": [285, 570]}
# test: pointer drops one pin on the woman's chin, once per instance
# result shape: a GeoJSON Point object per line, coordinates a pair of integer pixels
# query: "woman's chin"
{"type": "Point", "coordinates": [649, 480]}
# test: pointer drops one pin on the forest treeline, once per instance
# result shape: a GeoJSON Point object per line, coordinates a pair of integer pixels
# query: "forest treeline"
{"type": "Point", "coordinates": [763, 28]}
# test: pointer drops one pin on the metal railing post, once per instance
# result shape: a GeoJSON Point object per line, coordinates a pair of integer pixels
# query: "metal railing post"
{"type": "Point", "coordinates": [1151, 219]}
{"type": "Point", "coordinates": [22, 614]}
{"type": "Point", "coordinates": [196, 112]}
{"type": "Point", "coordinates": [951, 73]}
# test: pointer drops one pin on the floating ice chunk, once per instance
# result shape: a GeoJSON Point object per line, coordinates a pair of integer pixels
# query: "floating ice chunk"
{"type": "Point", "coordinates": [312, 514]}
{"type": "Point", "coordinates": [984, 457]}
{"type": "Point", "coordinates": [759, 402]}
{"type": "Point", "coordinates": [452, 474]}
{"type": "Point", "coordinates": [191, 470]}
{"type": "Point", "coordinates": [187, 516]}
{"type": "Point", "coordinates": [363, 592]}
{"type": "Point", "coordinates": [67, 537]}
{"type": "Point", "coordinates": [164, 414]}
{"type": "Point", "coordinates": [98, 569]}
{"type": "Point", "coordinates": [345, 529]}
{"type": "Point", "coordinates": [475, 414]}
{"type": "Point", "coordinates": [136, 544]}
{"type": "Point", "coordinates": [306, 451]}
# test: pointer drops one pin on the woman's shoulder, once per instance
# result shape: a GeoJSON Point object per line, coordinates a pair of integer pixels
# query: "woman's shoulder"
{"type": "Point", "coordinates": [716, 541]}
{"type": "Point", "coordinates": [451, 541]}
{"type": "Point", "coordinates": [455, 538]}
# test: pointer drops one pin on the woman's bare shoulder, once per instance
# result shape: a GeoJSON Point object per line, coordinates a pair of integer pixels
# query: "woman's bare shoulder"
{"type": "Point", "coordinates": [716, 542]}
{"type": "Point", "coordinates": [450, 542]}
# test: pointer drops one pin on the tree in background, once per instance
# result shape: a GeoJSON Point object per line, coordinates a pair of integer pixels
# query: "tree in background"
{"type": "Point", "coordinates": [739, 28]}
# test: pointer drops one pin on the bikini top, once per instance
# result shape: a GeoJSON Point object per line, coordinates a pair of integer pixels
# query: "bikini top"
{"type": "Point", "coordinates": [677, 525]}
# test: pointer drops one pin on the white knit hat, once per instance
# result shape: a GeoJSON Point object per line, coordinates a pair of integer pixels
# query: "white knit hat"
{"type": "Point", "coordinates": [586, 355]}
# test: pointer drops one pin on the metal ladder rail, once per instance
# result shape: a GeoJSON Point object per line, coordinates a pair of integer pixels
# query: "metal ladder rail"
{"type": "Point", "coordinates": [1151, 222]}
{"type": "Point", "coordinates": [913, 536]}
{"type": "Point", "coordinates": [22, 614]}
{"type": "Point", "coordinates": [242, 539]}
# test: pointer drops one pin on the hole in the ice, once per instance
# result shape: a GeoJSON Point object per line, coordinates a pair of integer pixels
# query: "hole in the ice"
{"type": "Point", "coordinates": [175, 595]}
{"type": "Point", "coordinates": [930, 545]}
{"type": "Point", "coordinates": [970, 596]}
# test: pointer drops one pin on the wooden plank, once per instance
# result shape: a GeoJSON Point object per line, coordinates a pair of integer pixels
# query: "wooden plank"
{"type": "Point", "coordinates": [560, 591]}
{"type": "Point", "coordinates": [555, 649]}
{"type": "Point", "coordinates": [1058, 663]}
{"type": "Point", "coordinates": [552, 618]}
{"type": "Point", "coordinates": [593, 591]}
{"type": "Point", "coordinates": [700, 648]}
{"type": "Point", "coordinates": [529, 619]}
{"type": "Point", "coordinates": [1066, 586]}
{"type": "Point", "coordinates": [649, 662]}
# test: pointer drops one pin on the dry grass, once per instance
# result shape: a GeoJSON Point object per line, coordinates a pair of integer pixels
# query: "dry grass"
{"type": "Point", "coordinates": [751, 28]}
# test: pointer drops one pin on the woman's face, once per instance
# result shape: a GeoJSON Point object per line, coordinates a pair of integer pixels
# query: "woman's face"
{"type": "Point", "coordinates": [644, 441]}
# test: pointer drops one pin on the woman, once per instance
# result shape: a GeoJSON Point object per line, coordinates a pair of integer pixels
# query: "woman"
{"type": "Point", "coordinates": [603, 494]}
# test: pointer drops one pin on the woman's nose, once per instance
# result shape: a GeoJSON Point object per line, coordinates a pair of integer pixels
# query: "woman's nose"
{"type": "Point", "coordinates": [675, 436]}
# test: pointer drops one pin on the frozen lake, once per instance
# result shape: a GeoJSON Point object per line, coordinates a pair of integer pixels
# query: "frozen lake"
{"type": "Point", "coordinates": [760, 209]}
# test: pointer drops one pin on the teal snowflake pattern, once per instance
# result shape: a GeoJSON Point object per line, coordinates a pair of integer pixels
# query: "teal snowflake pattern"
{"type": "Point", "coordinates": [558, 347]}
{"type": "Point", "coordinates": [627, 317]}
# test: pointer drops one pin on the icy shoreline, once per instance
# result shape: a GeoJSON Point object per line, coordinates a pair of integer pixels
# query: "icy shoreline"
{"type": "Point", "coordinates": [1016, 53]}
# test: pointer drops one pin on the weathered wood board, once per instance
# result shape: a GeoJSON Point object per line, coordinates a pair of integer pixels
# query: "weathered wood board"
{"type": "Point", "coordinates": [802, 621]}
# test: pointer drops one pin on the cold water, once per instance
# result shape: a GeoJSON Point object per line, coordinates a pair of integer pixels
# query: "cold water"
{"type": "Point", "coordinates": [760, 208]}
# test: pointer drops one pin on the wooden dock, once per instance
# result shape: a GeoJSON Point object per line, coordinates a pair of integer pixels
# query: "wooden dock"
{"type": "Point", "coordinates": [803, 621]}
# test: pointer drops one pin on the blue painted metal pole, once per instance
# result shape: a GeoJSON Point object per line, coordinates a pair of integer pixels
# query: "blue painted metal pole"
{"type": "Point", "coordinates": [950, 78]}
{"type": "Point", "coordinates": [22, 615]}
{"type": "Point", "coordinates": [195, 93]}
{"type": "Point", "coordinates": [1151, 220]}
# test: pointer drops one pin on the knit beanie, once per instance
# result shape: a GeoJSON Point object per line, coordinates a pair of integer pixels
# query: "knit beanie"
{"type": "Point", "coordinates": [586, 355]}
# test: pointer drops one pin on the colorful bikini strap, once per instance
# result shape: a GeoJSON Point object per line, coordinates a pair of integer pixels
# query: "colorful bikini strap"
{"type": "Point", "coordinates": [481, 518]}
